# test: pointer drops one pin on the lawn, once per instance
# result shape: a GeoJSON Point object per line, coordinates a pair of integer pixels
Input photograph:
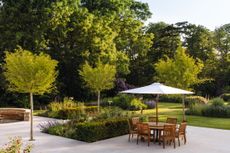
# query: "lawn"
{"type": "Point", "coordinates": [175, 110]}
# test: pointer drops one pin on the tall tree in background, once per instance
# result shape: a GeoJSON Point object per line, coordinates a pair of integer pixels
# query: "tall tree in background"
{"type": "Point", "coordinates": [165, 42]}
{"type": "Point", "coordinates": [28, 73]}
{"type": "Point", "coordinates": [181, 71]}
{"type": "Point", "coordinates": [98, 78]}
{"type": "Point", "coordinates": [220, 66]}
{"type": "Point", "coordinates": [75, 31]}
{"type": "Point", "coordinates": [199, 42]}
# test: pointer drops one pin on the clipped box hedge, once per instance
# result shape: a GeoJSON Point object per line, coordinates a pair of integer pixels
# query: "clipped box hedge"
{"type": "Point", "coordinates": [92, 131]}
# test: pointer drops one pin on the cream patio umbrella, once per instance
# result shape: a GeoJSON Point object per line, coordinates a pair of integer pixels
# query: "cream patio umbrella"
{"type": "Point", "coordinates": [159, 89]}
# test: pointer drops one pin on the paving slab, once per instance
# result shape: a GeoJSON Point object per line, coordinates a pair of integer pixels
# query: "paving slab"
{"type": "Point", "coordinates": [199, 140]}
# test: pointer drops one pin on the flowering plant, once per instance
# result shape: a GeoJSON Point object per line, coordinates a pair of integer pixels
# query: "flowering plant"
{"type": "Point", "coordinates": [15, 146]}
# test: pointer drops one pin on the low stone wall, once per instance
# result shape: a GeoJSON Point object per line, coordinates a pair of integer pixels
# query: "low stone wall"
{"type": "Point", "coordinates": [14, 114]}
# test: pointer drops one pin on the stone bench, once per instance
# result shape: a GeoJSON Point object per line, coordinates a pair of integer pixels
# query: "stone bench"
{"type": "Point", "coordinates": [14, 114]}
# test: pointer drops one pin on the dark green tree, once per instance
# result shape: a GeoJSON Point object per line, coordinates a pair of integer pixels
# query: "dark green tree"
{"type": "Point", "coordinates": [200, 43]}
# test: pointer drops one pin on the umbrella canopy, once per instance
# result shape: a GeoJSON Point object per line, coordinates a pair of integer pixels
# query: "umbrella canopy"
{"type": "Point", "coordinates": [159, 89]}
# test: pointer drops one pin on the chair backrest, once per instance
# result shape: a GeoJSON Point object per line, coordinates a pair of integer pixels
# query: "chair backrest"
{"type": "Point", "coordinates": [169, 131]}
{"type": "Point", "coordinates": [182, 128]}
{"type": "Point", "coordinates": [130, 124]}
{"type": "Point", "coordinates": [171, 120]}
{"type": "Point", "coordinates": [152, 119]}
{"type": "Point", "coordinates": [143, 128]}
{"type": "Point", "coordinates": [135, 121]}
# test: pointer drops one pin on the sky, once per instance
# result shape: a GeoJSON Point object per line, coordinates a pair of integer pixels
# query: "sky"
{"type": "Point", "coordinates": [209, 13]}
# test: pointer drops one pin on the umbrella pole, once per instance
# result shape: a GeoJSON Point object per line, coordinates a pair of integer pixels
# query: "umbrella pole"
{"type": "Point", "coordinates": [157, 99]}
{"type": "Point", "coordinates": [183, 103]}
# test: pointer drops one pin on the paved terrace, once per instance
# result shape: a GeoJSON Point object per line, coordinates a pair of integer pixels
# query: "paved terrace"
{"type": "Point", "coordinates": [200, 140]}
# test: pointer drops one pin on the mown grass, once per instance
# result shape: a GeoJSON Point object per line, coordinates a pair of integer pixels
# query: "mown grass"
{"type": "Point", "coordinates": [175, 110]}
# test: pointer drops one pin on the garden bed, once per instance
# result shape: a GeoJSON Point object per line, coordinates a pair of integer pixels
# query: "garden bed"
{"type": "Point", "coordinates": [90, 131]}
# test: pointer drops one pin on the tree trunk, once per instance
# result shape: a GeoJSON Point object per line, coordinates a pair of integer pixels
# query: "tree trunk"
{"type": "Point", "coordinates": [98, 101]}
{"type": "Point", "coordinates": [31, 116]}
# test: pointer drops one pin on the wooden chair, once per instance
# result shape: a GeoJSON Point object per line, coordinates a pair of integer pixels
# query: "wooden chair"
{"type": "Point", "coordinates": [153, 132]}
{"type": "Point", "coordinates": [171, 120]}
{"type": "Point", "coordinates": [168, 135]}
{"type": "Point", "coordinates": [135, 121]}
{"type": "Point", "coordinates": [152, 119]}
{"type": "Point", "coordinates": [181, 132]}
{"type": "Point", "coordinates": [143, 131]}
{"type": "Point", "coordinates": [132, 128]}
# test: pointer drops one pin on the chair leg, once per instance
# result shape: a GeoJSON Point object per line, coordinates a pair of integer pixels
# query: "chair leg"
{"type": "Point", "coordinates": [185, 140]}
{"type": "Point", "coordinates": [179, 141]}
{"type": "Point", "coordinates": [137, 138]}
{"type": "Point", "coordinates": [164, 144]}
{"type": "Point", "coordinates": [129, 137]}
{"type": "Point", "coordinates": [174, 142]}
{"type": "Point", "coordinates": [148, 140]}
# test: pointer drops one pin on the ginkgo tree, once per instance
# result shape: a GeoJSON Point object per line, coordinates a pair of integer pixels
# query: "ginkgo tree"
{"type": "Point", "coordinates": [30, 73]}
{"type": "Point", "coordinates": [98, 78]}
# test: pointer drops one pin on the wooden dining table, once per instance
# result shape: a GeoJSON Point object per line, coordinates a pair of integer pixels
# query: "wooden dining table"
{"type": "Point", "coordinates": [158, 127]}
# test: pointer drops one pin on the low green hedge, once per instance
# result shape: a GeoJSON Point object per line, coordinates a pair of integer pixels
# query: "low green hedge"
{"type": "Point", "coordinates": [92, 131]}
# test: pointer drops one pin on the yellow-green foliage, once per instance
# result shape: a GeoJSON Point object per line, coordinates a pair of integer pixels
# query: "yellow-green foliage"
{"type": "Point", "coordinates": [99, 78]}
{"type": "Point", "coordinates": [138, 104]}
{"type": "Point", "coordinates": [68, 103]}
{"type": "Point", "coordinates": [181, 72]}
{"type": "Point", "coordinates": [29, 73]}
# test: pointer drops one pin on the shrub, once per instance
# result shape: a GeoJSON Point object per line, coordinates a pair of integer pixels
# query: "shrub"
{"type": "Point", "coordinates": [171, 98]}
{"type": "Point", "coordinates": [68, 103]}
{"type": "Point", "coordinates": [137, 104]}
{"type": "Point", "coordinates": [123, 101]}
{"type": "Point", "coordinates": [225, 97]}
{"type": "Point", "coordinates": [78, 113]}
{"type": "Point", "coordinates": [150, 104]}
{"type": "Point", "coordinates": [143, 118]}
{"type": "Point", "coordinates": [196, 109]}
{"type": "Point", "coordinates": [215, 111]}
{"type": "Point", "coordinates": [111, 112]}
{"type": "Point", "coordinates": [195, 100]}
{"type": "Point", "coordinates": [15, 146]}
{"type": "Point", "coordinates": [217, 102]}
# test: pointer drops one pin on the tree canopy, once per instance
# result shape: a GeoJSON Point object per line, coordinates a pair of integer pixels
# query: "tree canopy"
{"type": "Point", "coordinates": [28, 73]}
{"type": "Point", "coordinates": [181, 71]}
{"type": "Point", "coordinates": [98, 78]}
